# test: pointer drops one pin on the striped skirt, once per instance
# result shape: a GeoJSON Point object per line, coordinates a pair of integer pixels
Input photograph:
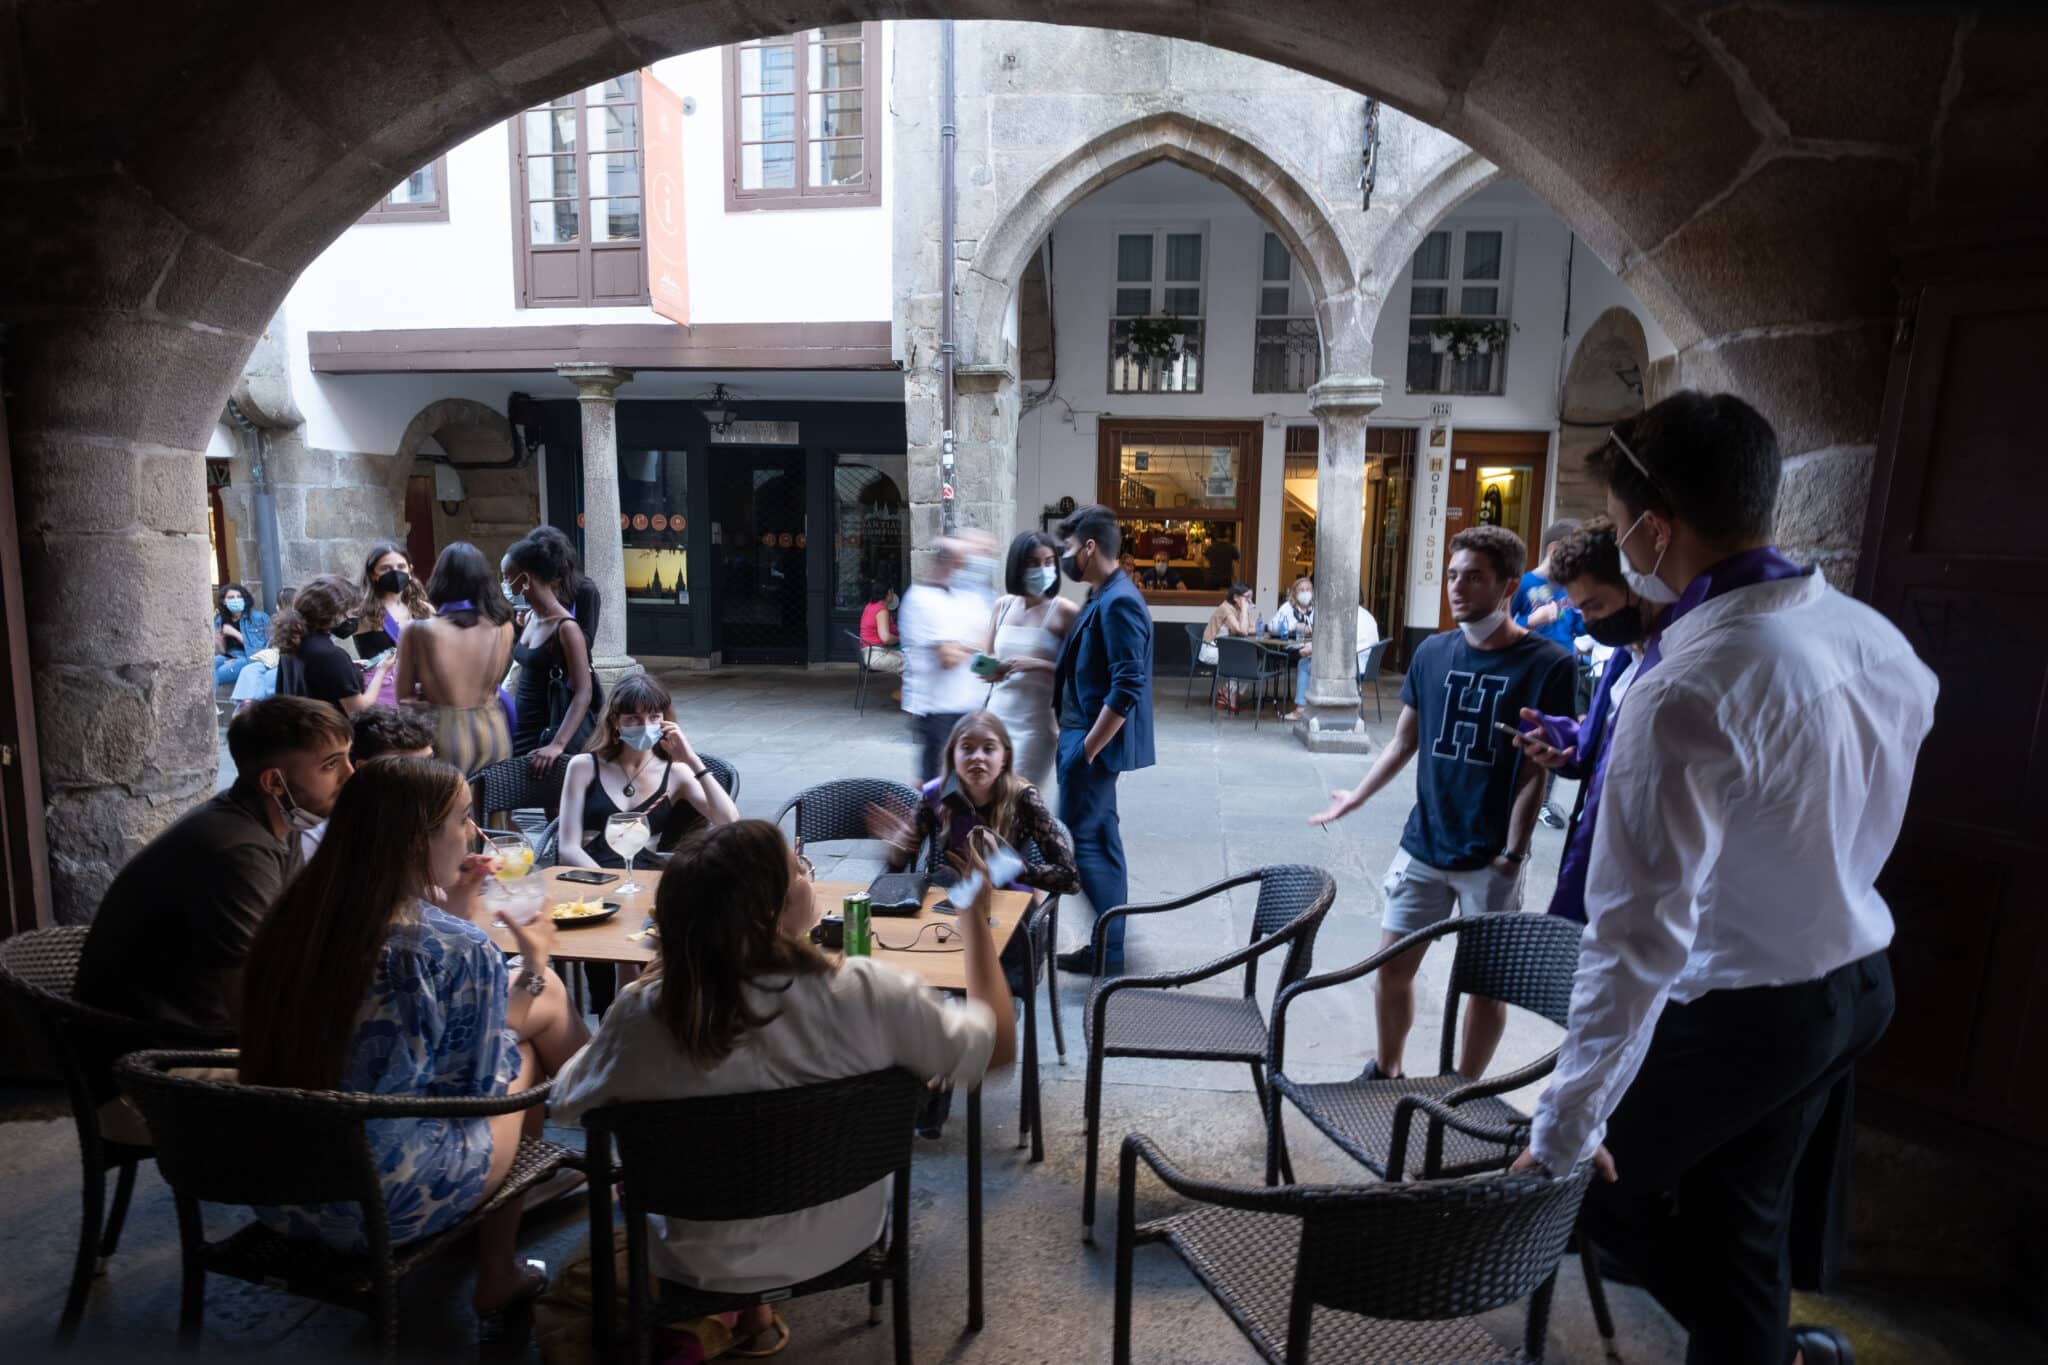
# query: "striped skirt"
{"type": "Point", "coordinates": [471, 736]}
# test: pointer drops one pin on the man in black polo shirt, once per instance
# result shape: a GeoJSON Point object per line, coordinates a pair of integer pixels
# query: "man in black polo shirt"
{"type": "Point", "coordinates": [172, 931]}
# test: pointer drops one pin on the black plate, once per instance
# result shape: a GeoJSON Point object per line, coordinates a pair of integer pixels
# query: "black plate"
{"type": "Point", "coordinates": [611, 908]}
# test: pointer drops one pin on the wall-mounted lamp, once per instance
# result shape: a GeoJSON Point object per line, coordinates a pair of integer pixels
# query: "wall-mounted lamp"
{"type": "Point", "coordinates": [719, 412]}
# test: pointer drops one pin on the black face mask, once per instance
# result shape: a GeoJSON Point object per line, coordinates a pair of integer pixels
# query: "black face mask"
{"type": "Point", "coordinates": [392, 581]}
{"type": "Point", "coordinates": [1618, 628]}
{"type": "Point", "coordinates": [345, 629]}
{"type": "Point", "coordinates": [1070, 567]}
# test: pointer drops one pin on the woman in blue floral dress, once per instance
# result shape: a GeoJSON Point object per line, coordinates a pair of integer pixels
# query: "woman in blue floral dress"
{"type": "Point", "coordinates": [358, 981]}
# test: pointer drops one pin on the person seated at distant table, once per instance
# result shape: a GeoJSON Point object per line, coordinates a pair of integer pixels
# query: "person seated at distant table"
{"type": "Point", "coordinates": [1296, 619]}
{"type": "Point", "coordinates": [880, 645]}
{"type": "Point", "coordinates": [171, 934]}
{"type": "Point", "coordinates": [1162, 574]}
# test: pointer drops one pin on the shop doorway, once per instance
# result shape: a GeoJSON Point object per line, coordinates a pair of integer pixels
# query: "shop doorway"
{"type": "Point", "coordinates": [1383, 558]}
{"type": "Point", "coordinates": [758, 536]}
{"type": "Point", "coordinates": [1498, 478]}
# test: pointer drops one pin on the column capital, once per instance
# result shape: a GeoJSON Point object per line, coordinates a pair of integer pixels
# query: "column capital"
{"type": "Point", "coordinates": [1338, 395]}
{"type": "Point", "coordinates": [593, 379]}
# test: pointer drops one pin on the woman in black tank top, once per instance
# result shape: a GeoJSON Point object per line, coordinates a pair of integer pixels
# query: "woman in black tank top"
{"type": "Point", "coordinates": [538, 576]}
{"type": "Point", "coordinates": [642, 762]}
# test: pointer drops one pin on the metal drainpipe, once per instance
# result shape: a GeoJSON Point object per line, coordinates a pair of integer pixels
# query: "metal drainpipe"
{"type": "Point", "coordinates": [948, 142]}
{"type": "Point", "coordinates": [263, 503]}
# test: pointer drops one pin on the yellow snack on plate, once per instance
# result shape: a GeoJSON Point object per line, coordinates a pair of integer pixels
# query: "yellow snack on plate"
{"type": "Point", "coordinates": [579, 909]}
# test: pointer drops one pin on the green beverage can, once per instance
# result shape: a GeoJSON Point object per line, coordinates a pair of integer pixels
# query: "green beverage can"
{"type": "Point", "coordinates": [859, 937]}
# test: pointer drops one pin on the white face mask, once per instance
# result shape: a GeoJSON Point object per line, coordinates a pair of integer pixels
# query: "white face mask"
{"type": "Point", "coordinates": [296, 816]}
{"type": "Point", "coordinates": [1040, 581]}
{"type": "Point", "coordinates": [1306, 597]}
{"type": "Point", "coordinates": [1478, 631]}
{"type": "Point", "coordinates": [1647, 586]}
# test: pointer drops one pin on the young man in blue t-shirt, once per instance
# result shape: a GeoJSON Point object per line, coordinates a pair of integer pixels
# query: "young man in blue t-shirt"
{"type": "Point", "coordinates": [1467, 839]}
{"type": "Point", "coordinates": [1543, 608]}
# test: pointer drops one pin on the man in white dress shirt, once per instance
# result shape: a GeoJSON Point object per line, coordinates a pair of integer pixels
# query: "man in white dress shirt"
{"type": "Point", "coordinates": [1734, 960]}
{"type": "Point", "coordinates": [943, 621]}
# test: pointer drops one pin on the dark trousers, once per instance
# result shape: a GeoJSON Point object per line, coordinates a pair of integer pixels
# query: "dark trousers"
{"type": "Point", "coordinates": [1706, 1142]}
{"type": "Point", "coordinates": [1088, 807]}
{"type": "Point", "coordinates": [931, 733]}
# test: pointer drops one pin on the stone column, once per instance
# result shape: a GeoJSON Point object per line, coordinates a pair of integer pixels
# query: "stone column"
{"type": "Point", "coordinates": [604, 555]}
{"type": "Point", "coordinates": [1341, 403]}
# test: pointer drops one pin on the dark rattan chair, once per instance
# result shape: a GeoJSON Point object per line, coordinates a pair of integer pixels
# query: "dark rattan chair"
{"type": "Point", "coordinates": [1196, 668]}
{"type": "Point", "coordinates": [1150, 1016]}
{"type": "Point", "coordinates": [1526, 960]}
{"type": "Point", "coordinates": [529, 801]}
{"type": "Point", "coordinates": [860, 658]}
{"type": "Point", "coordinates": [1369, 676]}
{"type": "Point", "coordinates": [39, 969]}
{"type": "Point", "coordinates": [1352, 1273]}
{"type": "Point", "coordinates": [834, 811]}
{"type": "Point", "coordinates": [731, 1157]}
{"type": "Point", "coordinates": [221, 1142]}
{"type": "Point", "coordinates": [1242, 660]}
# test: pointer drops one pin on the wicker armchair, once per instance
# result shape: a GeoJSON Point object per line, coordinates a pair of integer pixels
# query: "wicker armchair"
{"type": "Point", "coordinates": [508, 786]}
{"type": "Point", "coordinates": [1041, 932]}
{"type": "Point", "coordinates": [226, 1143]}
{"type": "Point", "coordinates": [1150, 1016]}
{"type": "Point", "coordinates": [834, 811]}
{"type": "Point", "coordinates": [1354, 1273]}
{"type": "Point", "coordinates": [730, 1157]}
{"type": "Point", "coordinates": [39, 970]}
{"type": "Point", "coordinates": [1526, 961]}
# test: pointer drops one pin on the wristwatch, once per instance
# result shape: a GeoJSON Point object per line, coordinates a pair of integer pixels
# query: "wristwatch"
{"type": "Point", "coordinates": [1522, 857]}
{"type": "Point", "coordinates": [532, 982]}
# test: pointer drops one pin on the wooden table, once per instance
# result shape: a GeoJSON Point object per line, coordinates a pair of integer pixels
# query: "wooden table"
{"type": "Point", "coordinates": [622, 939]}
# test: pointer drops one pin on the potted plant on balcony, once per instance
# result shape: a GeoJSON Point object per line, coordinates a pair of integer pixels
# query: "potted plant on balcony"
{"type": "Point", "coordinates": [1154, 338]}
{"type": "Point", "coordinates": [1464, 338]}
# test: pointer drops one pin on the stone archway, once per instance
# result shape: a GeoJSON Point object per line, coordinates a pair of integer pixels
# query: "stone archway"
{"type": "Point", "coordinates": [219, 145]}
{"type": "Point", "coordinates": [1278, 192]}
{"type": "Point", "coordinates": [1604, 383]}
{"type": "Point", "coordinates": [502, 501]}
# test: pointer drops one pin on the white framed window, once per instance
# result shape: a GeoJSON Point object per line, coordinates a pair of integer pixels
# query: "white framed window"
{"type": "Point", "coordinates": [1459, 289]}
{"type": "Point", "coordinates": [1287, 352]}
{"type": "Point", "coordinates": [1156, 310]}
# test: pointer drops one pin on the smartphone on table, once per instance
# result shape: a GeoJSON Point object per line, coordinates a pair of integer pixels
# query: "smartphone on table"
{"type": "Point", "coordinates": [584, 876]}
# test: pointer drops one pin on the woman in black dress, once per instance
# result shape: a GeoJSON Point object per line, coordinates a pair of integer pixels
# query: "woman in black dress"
{"type": "Point", "coordinates": [552, 652]}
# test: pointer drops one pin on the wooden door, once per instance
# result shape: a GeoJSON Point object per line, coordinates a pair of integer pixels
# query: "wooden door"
{"type": "Point", "coordinates": [1956, 556]}
{"type": "Point", "coordinates": [1497, 478]}
{"type": "Point", "coordinates": [419, 524]}
{"type": "Point", "coordinates": [24, 868]}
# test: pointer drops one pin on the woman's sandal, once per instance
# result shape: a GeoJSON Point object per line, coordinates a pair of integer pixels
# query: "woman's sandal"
{"type": "Point", "coordinates": [749, 1349]}
{"type": "Point", "coordinates": [513, 1318]}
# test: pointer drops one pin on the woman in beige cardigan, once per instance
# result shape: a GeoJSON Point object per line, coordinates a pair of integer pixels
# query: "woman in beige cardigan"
{"type": "Point", "coordinates": [1233, 616]}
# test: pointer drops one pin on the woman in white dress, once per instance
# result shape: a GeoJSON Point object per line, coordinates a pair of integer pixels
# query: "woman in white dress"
{"type": "Point", "coordinates": [1030, 621]}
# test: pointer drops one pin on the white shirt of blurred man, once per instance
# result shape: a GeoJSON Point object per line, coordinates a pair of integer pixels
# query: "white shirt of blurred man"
{"type": "Point", "coordinates": [944, 624]}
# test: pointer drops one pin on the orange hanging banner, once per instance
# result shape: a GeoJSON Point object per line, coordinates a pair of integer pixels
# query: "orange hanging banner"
{"type": "Point", "coordinates": [668, 272]}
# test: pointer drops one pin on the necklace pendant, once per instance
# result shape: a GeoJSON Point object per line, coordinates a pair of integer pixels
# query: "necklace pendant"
{"type": "Point", "coordinates": [629, 791]}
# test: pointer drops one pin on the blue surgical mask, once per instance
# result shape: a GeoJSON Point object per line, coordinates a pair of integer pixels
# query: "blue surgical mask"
{"type": "Point", "coordinates": [234, 604]}
{"type": "Point", "coordinates": [517, 599]}
{"type": "Point", "coordinates": [641, 737]}
{"type": "Point", "coordinates": [1041, 581]}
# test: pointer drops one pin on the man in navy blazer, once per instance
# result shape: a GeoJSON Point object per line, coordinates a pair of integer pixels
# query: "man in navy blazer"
{"type": "Point", "coordinates": [1102, 692]}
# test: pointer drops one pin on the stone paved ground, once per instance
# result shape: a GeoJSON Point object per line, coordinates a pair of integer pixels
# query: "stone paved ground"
{"type": "Point", "coordinates": [1223, 799]}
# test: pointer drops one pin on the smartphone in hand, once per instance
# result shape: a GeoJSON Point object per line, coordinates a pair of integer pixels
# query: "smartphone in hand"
{"type": "Point", "coordinates": [985, 665]}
